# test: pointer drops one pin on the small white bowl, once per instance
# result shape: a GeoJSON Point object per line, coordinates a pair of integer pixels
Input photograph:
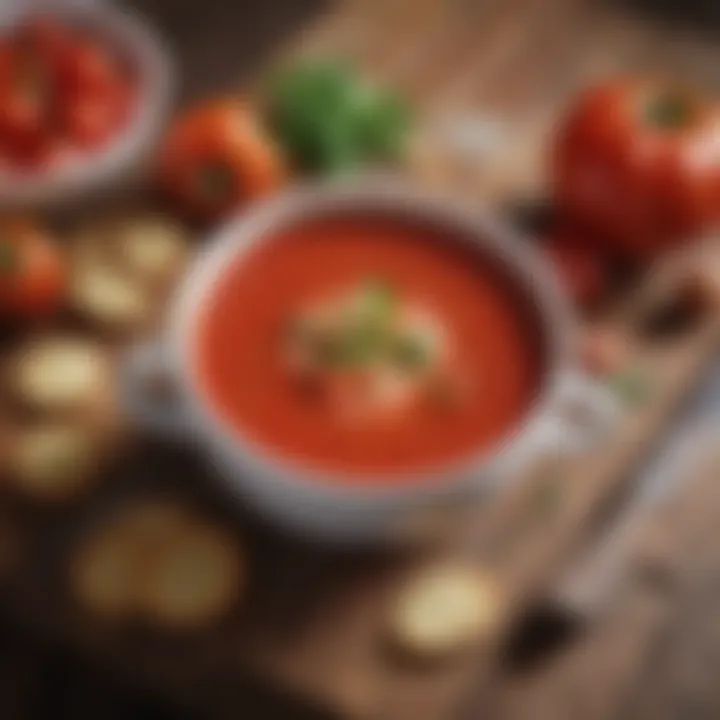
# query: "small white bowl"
{"type": "Point", "coordinates": [146, 53]}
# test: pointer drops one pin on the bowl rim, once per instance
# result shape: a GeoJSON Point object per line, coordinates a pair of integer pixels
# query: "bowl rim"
{"type": "Point", "coordinates": [147, 48]}
{"type": "Point", "coordinates": [244, 231]}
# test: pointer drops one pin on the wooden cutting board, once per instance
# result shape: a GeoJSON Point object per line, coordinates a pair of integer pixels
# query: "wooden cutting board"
{"type": "Point", "coordinates": [649, 651]}
{"type": "Point", "coordinates": [313, 623]}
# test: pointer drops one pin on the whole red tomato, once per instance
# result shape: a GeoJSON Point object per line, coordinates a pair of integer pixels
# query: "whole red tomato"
{"type": "Point", "coordinates": [32, 271]}
{"type": "Point", "coordinates": [638, 161]}
{"type": "Point", "coordinates": [216, 157]}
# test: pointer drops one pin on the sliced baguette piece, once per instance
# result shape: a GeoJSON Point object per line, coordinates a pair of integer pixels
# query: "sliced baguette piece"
{"type": "Point", "coordinates": [195, 581]}
{"type": "Point", "coordinates": [153, 524]}
{"type": "Point", "coordinates": [103, 573]}
{"type": "Point", "coordinates": [443, 609]}
{"type": "Point", "coordinates": [155, 560]}
{"type": "Point", "coordinates": [113, 560]}
{"type": "Point", "coordinates": [53, 461]}
{"type": "Point", "coordinates": [60, 374]}
{"type": "Point", "coordinates": [153, 248]}
{"type": "Point", "coordinates": [108, 298]}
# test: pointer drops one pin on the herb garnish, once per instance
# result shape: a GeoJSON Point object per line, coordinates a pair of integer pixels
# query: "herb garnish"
{"type": "Point", "coordinates": [410, 352]}
{"type": "Point", "coordinates": [363, 332]}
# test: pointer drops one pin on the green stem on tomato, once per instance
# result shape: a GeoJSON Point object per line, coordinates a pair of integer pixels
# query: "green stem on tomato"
{"type": "Point", "coordinates": [669, 111]}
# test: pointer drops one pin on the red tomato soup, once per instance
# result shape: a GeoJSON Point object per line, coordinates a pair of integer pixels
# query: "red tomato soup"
{"type": "Point", "coordinates": [489, 358]}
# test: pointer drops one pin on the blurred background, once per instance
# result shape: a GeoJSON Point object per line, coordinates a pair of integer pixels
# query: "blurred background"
{"type": "Point", "coordinates": [222, 44]}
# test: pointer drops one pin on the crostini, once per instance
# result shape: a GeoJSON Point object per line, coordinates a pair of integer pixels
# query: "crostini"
{"type": "Point", "coordinates": [153, 248]}
{"type": "Point", "coordinates": [443, 609]}
{"type": "Point", "coordinates": [158, 562]}
{"type": "Point", "coordinates": [59, 374]}
{"type": "Point", "coordinates": [107, 298]}
{"type": "Point", "coordinates": [195, 580]}
{"type": "Point", "coordinates": [52, 461]}
{"type": "Point", "coordinates": [103, 573]}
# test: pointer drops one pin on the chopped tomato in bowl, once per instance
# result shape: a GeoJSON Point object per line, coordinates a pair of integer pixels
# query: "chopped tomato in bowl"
{"type": "Point", "coordinates": [83, 91]}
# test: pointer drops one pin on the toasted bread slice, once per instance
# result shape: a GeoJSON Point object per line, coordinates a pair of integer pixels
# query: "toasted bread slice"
{"type": "Point", "coordinates": [152, 248]}
{"type": "Point", "coordinates": [60, 374]}
{"type": "Point", "coordinates": [195, 580]}
{"type": "Point", "coordinates": [109, 299]}
{"type": "Point", "coordinates": [103, 573]}
{"type": "Point", "coordinates": [113, 560]}
{"type": "Point", "coordinates": [443, 609]}
{"type": "Point", "coordinates": [53, 461]}
{"type": "Point", "coordinates": [156, 560]}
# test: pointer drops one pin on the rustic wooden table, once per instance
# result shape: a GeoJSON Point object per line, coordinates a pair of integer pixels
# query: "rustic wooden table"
{"type": "Point", "coordinates": [518, 60]}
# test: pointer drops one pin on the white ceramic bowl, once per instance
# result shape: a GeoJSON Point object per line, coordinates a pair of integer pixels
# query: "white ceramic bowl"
{"type": "Point", "coordinates": [298, 497]}
{"type": "Point", "coordinates": [86, 174]}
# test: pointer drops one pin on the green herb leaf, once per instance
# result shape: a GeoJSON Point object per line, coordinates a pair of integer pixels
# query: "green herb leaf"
{"type": "Point", "coordinates": [383, 125]}
{"type": "Point", "coordinates": [375, 300]}
{"type": "Point", "coordinates": [366, 324]}
{"type": "Point", "coordinates": [328, 120]}
{"type": "Point", "coordinates": [410, 352]}
{"type": "Point", "coordinates": [309, 111]}
{"type": "Point", "coordinates": [350, 347]}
